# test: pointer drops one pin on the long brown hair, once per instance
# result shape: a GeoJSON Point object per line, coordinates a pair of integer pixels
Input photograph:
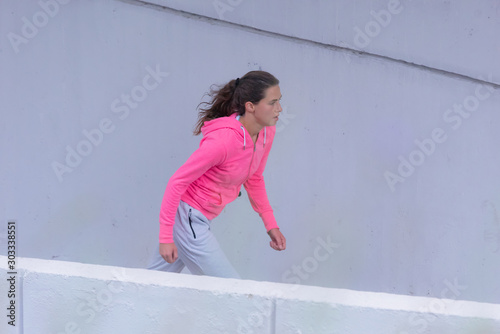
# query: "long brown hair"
{"type": "Point", "coordinates": [231, 97]}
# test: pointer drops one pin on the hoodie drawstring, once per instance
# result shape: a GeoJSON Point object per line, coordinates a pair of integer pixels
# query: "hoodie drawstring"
{"type": "Point", "coordinates": [244, 137]}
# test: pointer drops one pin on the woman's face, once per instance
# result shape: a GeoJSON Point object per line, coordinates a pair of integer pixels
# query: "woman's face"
{"type": "Point", "coordinates": [267, 110]}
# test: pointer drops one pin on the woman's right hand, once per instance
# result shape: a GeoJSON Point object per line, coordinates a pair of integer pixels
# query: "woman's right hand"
{"type": "Point", "coordinates": [168, 252]}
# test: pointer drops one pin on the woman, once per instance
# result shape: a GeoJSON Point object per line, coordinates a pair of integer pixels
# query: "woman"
{"type": "Point", "coordinates": [238, 127]}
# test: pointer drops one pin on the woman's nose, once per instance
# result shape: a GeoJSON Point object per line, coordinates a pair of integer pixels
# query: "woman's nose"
{"type": "Point", "coordinates": [279, 107]}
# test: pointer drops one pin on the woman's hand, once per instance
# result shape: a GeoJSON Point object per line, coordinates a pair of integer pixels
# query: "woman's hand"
{"type": "Point", "coordinates": [168, 252]}
{"type": "Point", "coordinates": [278, 241]}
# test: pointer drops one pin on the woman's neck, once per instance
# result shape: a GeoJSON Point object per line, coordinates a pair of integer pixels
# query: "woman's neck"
{"type": "Point", "coordinates": [252, 127]}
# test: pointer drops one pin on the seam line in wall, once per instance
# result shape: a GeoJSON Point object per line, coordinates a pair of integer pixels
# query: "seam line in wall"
{"type": "Point", "coordinates": [211, 20]}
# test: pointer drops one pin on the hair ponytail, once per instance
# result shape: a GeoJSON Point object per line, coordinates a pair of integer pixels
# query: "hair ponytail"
{"type": "Point", "coordinates": [231, 98]}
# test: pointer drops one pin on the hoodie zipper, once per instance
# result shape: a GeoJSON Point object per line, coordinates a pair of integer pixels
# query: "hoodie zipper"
{"type": "Point", "coordinates": [254, 146]}
{"type": "Point", "coordinates": [191, 224]}
{"type": "Point", "coordinates": [251, 160]}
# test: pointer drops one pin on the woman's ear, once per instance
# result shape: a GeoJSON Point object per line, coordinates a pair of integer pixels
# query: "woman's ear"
{"type": "Point", "coordinates": [249, 107]}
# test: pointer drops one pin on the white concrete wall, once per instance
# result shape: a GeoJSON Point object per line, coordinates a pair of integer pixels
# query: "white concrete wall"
{"type": "Point", "coordinates": [67, 297]}
{"type": "Point", "coordinates": [350, 119]}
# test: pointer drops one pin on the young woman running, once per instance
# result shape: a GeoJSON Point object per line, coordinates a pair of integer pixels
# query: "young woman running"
{"type": "Point", "coordinates": [238, 127]}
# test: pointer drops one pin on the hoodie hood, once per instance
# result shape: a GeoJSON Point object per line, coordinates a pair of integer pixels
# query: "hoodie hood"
{"type": "Point", "coordinates": [232, 122]}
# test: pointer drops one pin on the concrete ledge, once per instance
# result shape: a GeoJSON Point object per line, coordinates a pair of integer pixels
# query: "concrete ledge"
{"type": "Point", "coordinates": [66, 297]}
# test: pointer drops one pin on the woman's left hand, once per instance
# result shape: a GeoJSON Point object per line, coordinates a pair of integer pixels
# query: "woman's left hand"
{"type": "Point", "coordinates": [278, 241]}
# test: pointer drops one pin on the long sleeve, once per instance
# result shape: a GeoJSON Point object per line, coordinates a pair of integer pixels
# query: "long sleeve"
{"type": "Point", "coordinates": [212, 152]}
{"type": "Point", "coordinates": [256, 189]}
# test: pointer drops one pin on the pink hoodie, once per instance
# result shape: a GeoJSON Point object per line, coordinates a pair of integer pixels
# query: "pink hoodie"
{"type": "Point", "coordinates": [212, 176]}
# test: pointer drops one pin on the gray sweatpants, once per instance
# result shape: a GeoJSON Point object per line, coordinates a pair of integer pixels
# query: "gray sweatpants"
{"type": "Point", "coordinates": [197, 247]}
